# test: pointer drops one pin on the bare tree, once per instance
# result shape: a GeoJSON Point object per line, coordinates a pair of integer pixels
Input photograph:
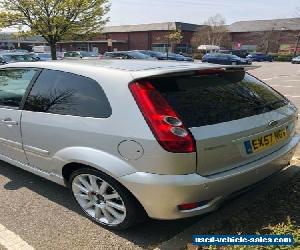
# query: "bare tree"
{"type": "Point", "coordinates": [214, 32]}
{"type": "Point", "coordinates": [269, 41]}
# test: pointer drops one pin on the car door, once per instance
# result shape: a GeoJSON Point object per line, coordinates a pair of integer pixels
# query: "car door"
{"type": "Point", "coordinates": [14, 83]}
{"type": "Point", "coordinates": [212, 59]}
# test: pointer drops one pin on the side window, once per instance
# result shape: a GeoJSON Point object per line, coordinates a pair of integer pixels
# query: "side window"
{"type": "Point", "coordinates": [13, 85]}
{"type": "Point", "coordinates": [69, 54]}
{"type": "Point", "coordinates": [64, 93]}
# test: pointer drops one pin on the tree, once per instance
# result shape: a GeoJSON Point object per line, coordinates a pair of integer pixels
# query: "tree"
{"type": "Point", "coordinates": [174, 37]}
{"type": "Point", "coordinates": [214, 32]}
{"type": "Point", "coordinates": [269, 41]}
{"type": "Point", "coordinates": [55, 20]}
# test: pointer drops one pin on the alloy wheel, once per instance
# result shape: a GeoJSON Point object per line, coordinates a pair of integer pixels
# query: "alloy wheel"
{"type": "Point", "coordinates": [98, 199]}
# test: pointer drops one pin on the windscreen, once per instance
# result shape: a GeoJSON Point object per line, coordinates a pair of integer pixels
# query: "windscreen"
{"type": "Point", "coordinates": [18, 58]}
{"type": "Point", "coordinates": [219, 97]}
{"type": "Point", "coordinates": [137, 55]}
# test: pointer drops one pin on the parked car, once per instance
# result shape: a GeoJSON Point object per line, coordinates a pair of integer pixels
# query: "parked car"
{"type": "Point", "coordinates": [75, 55]}
{"type": "Point", "coordinates": [225, 59]}
{"type": "Point", "coordinates": [10, 57]}
{"type": "Point", "coordinates": [260, 57]}
{"type": "Point", "coordinates": [296, 60]}
{"type": "Point", "coordinates": [127, 55]}
{"type": "Point", "coordinates": [42, 56]}
{"type": "Point", "coordinates": [238, 52]}
{"type": "Point", "coordinates": [155, 54]}
{"type": "Point", "coordinates": [130, 139]}
{"type": "Point", "coordinates": [24, 51]}
{"type": "Point", "coordinates": [178, 57]}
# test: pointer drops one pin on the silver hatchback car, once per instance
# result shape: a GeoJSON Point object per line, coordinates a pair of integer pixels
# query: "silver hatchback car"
{"type": "Point", "coordinates": [164, 139]}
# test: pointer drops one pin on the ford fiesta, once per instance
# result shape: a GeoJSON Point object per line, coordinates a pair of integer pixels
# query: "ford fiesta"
{"type": "Point", "coordinates": [162, 139]}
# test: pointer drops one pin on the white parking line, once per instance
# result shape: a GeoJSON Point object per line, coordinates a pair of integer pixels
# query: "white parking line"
{"type": "Point", "coordinates": [292, 96]}
{"type": "Point", "coordinates": [292, 80]}
{"type": "Point", "coordinates": [282, 86]}
{"type": "Point", "coordinates": [11, 241]}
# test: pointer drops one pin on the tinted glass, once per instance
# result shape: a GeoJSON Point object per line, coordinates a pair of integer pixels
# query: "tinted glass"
{"type": "Point", "coordinates": [18, 58]}
{"type": "Point", "coordinates": [45, 55]}
{"type": "Point", "coordinates": [215, 98]}
{"type": "Point", "coordinates": [68, 94]}
{"type": "Point", "coordinates": [113, 55]}
{"type": "Point", "coordinates": [234, 57]}
{"type": "Point", "coordinates": [137, 55]}
{"type": "Point", "coordinates": [71, 54]}
{"type": "Point", "coordinates": [13, 85]}
{"type": "Point", "coordinates": [89, 54]}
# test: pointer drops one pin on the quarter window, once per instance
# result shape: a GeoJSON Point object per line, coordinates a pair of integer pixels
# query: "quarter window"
{"type": "Point", "coordinates": [65, 93]}
{"type": "Point", "coordinates": [13, 85]}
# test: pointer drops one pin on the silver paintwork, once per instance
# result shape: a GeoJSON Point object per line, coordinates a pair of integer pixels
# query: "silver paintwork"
{"type": "Point", "coordinates": [44, 143]}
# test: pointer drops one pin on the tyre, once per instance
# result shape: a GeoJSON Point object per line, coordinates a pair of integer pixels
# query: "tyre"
{"type": "Point", "coordinates": [104, 200]}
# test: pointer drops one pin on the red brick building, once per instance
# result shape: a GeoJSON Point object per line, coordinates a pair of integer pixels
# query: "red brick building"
{"type": "Point", "coordinates": [260, 35]}
{"type": "Point", "coordinates": [266, 35]}
{"type": "Point", "coordinates": [136, 37]}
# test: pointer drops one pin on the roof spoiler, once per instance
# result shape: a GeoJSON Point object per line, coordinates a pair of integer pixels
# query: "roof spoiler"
{"type": "Point", "coordinates": [190, 69]}
{"type": "Point", "coordinates": [233, 67]}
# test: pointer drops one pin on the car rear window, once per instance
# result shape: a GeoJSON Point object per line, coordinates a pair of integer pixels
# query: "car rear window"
{"type": "Point", "coordinates": [219, 97]}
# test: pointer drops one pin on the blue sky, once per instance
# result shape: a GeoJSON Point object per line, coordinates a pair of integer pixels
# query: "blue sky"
{"type": "Point", "coordinates": [197, 11]}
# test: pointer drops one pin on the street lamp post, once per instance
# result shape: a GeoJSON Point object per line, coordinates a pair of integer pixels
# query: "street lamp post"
{"type": "Point", "coordinates": [297, 45]}
{"type": "Point", "coordinates": [168, 41]}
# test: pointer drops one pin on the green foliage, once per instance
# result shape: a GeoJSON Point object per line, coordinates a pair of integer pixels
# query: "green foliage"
{"type": "Point", "coordinates": [198, 55]}
{"type": "Point", "coordinates": [282, 58]}
{"type": "Point", "coordinates": [175, 36]}
{"type": "Point", "coordinates": [55, 19]}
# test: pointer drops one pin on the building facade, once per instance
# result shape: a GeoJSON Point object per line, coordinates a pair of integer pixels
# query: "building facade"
{"type": "Point", "coordinates": [278, 35]}
{"type": "Point", "coordinates": [136, 37]}
{"type": "Point", "coordinates": [11, 41]}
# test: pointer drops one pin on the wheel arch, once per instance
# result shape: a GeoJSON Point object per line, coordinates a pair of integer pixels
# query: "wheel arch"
{"type": "Point", "coordinates": [74, 157]}
{"type": "Point", "coordinates": [70, 168]}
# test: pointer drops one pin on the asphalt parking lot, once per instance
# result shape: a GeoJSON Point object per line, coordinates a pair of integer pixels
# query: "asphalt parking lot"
{"type": "Point", "coordinates": [285, 78]}
{"type": "Point", "coordinates": [44, 216]}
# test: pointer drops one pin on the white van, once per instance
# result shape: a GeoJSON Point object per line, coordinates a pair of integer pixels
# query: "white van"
{"type": "Point", "coordinates": [41, 49]}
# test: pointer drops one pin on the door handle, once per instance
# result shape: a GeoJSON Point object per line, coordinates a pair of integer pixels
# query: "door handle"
{"type": "Point", "coordinates": [9, 121]}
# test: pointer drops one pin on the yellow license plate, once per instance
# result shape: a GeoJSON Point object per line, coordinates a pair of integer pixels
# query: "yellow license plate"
{"type": "Point", "coordinates": [267, 141]}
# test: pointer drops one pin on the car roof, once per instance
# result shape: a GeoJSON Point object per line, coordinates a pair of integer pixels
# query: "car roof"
{"type": "Point", "coordinates": [218, 54]}
{"type": "Point", "coordinates": [136, 68]}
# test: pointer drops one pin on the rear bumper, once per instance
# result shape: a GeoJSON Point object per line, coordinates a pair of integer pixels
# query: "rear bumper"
{"type": "Point", "coordinates": [161, 194]}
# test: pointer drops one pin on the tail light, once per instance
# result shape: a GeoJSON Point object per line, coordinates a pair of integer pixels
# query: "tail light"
{"type": "Point", "coordinates": [164, 122]}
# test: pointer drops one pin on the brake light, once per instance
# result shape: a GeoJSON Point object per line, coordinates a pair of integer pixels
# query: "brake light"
{"type": "Point", "coordinates": [164, 122]}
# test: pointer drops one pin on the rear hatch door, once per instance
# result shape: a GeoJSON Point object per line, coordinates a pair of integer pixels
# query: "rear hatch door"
{"type": "Point", "coordinates": [234, 118]}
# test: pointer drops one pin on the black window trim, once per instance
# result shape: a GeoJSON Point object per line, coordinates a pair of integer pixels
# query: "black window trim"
{"type": "Point", "coordinates": [29, 87]}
